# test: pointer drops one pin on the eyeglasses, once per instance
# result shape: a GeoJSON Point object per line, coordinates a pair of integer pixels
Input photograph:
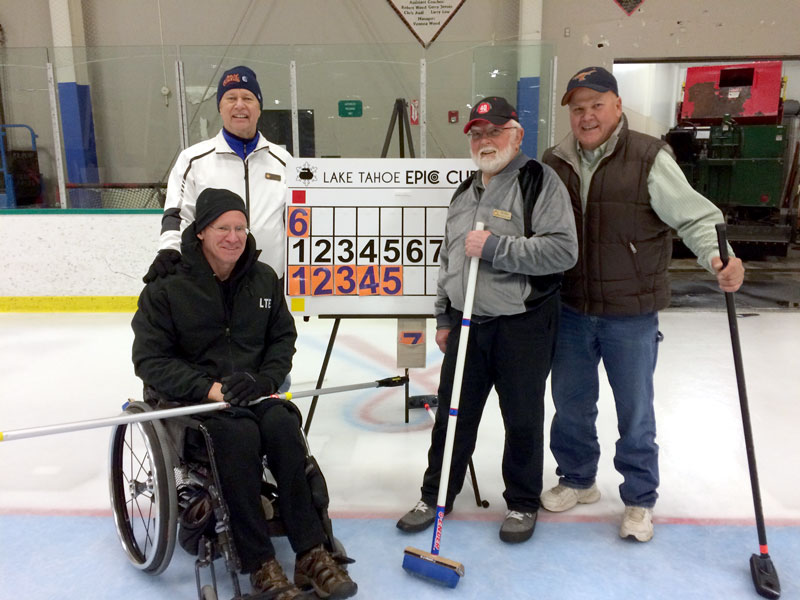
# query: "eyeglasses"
{"type": "Point", "coordinates": [224, 230]}
{"type": "Point", "coordinates": [489, 133]}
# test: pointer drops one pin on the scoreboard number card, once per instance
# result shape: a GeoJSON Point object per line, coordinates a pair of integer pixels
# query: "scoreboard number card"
{"type": "Point", "coordinates": [363, 236]}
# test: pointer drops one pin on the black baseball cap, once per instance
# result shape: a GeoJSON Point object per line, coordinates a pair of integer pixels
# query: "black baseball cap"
{"type": "Point", "coordinates": [493, 109]}
{"type": "Point", "coordinates": [594, 78]}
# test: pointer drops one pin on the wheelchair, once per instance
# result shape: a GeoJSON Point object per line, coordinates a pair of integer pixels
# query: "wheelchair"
{"type": "Point", "coordinates": [162, 474]}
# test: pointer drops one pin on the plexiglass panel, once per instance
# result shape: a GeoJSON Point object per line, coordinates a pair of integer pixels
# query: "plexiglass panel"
{"type": "Point", "coordinates": [118, 107]}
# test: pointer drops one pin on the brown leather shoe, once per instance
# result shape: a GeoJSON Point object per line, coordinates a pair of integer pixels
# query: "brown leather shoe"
{"type": "Point", "coordinates": [318, 569]}
{"type": "Point", "coordinates": [271, 578]}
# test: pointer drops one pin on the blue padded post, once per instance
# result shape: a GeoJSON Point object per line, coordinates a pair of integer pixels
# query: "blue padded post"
{"type": "Point", "coordinates": [79, 143]}
{"type": "Point", "coordinates": [7, 198]}
{"type": "Point", "coordinates": [528, 109]}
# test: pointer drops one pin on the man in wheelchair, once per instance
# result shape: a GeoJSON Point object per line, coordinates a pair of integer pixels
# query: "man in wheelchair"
{"type": "Point", "coordinates": [219, 330]}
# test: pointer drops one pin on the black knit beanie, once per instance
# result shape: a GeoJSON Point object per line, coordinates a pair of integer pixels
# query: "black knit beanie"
{"type": "Point", "coordinates": [212, 202]}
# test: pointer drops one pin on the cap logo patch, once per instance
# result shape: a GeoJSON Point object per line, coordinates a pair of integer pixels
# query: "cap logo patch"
{"type": "Point", "coordinates": [583, 75]}
{"type": "Point", "coordinates": [483, 108]}
{"type": "Point", "coordinates": [232, 78]}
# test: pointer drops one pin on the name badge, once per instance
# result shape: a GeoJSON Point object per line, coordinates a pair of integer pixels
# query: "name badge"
{"type": "Point", "coordinates": [501, 214]}
{"type": "Point", "coordinates": [272, 176]}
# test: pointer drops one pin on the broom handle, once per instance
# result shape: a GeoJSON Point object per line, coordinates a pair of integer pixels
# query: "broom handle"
{"type": "Point", "coordinates": [387, 382]}
{"type": "Point", "coordinates": [151, 415]}
{"type": "Point", "coordinates": [194, 409]}
{"type": "Point", "coordinates": [449, 439]}
{"type": "Point", "coordinates": [737, 361]}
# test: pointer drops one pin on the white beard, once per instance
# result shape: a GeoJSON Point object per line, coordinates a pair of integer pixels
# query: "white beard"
{"type": "Point", "coordinates": [494, 162]}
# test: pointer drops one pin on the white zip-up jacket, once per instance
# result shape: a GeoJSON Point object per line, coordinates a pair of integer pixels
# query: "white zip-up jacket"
{"type": "Point", "coordinates": [260, 180]}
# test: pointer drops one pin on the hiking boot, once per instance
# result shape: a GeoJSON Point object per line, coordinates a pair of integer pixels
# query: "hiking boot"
{"type": "Point", "coordinates": [517, 526]}
{"type": "Point", "coordinates": [320, 570]}
{"type": "Point", "coordinates": [418, 518]}
{"type": "Point", "coordinates": [271, 579]}
{"type": "Point", "coordinates": [637, 523]}
{"type": "Point", "coordinates": [562, 497]}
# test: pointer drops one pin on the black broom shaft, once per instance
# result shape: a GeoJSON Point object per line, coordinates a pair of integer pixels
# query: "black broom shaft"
{"type": "Point", "coordinates": [730, 304]}
{"type": "Point", "coordinates": [324, 368]}
{"type": "Point", "coordinates": [748, 434]}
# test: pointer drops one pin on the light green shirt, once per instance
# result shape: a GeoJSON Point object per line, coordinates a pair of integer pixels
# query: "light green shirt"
{"type": "Point", "coordinates": [675, 202]}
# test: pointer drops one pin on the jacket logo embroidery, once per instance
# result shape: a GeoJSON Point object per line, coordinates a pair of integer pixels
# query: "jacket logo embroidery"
{"type": "Point", "coordinates": [265, 303]}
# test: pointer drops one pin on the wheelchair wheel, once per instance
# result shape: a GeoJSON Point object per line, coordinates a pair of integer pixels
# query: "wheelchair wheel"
{"type": "Point", "coordinates": [142, 488]}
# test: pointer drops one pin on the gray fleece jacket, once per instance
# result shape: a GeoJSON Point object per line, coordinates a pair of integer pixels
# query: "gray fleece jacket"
{"type": "Point", "coordinates": [528, 211]}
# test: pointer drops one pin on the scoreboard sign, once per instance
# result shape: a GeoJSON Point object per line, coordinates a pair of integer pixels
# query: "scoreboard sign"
{"type": "Point", "coordinates": [363, 236]}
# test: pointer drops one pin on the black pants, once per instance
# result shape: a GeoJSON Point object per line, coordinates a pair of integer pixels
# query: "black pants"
{"type": "Point", "coordinates": [513, 353]}
{"type": "Point", "coordinates": [241, 437]}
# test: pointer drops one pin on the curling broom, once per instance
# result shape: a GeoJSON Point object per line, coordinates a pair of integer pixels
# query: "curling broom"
{"type": "Point", "coordinates": [191, 409]}
{"type": "Point", "coordinates": [765, 577]}
{"type": "Point", "coordinates": [429, 564]}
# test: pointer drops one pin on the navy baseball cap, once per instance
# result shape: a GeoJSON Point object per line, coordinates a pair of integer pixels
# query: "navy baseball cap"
{"type": "Point", "coordinates": [493, 109]}
{"type": "Point", "coordinates": [594, 78]}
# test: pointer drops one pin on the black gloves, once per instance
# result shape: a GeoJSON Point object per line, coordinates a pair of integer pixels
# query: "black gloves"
{"type": "Point", "coordinates": [163, 265]}
{"type": "Point", "coordinates": [242, 388]}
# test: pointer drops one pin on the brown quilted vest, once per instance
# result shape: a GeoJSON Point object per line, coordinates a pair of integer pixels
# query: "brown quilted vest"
{"type": "Point", "coordinates": [625, 248]}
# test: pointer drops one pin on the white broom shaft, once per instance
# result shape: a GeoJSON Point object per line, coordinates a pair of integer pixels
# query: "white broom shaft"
{"type": "Point", "coordinates": [151, 415]}
{"type": "Point", "coordinates": [321, 391]}
{"type": "Point", "coordinates": [166, 413]}
{"type": "Point", "coordinates": [458, 376]}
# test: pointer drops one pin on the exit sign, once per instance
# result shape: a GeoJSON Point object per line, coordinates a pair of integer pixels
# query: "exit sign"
{"type": "Point", "coordinates": [350, 108]}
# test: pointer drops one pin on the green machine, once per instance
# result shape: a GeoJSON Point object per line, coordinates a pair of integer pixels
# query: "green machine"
{"type": "Point", "coordinates": [738, 161]}
{"type": "Point", "coordinates": [740, 168]}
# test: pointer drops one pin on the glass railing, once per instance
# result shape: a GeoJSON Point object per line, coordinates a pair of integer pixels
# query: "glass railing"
{"type": "Point", "coordinates": [122, 118]}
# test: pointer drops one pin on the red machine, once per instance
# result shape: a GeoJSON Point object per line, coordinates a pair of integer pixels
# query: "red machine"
{"type": "Point", "coordinates": [749, 93]}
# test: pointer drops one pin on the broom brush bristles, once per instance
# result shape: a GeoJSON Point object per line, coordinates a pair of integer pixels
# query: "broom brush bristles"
{"type": "Point", "coordinates": [432, 567]}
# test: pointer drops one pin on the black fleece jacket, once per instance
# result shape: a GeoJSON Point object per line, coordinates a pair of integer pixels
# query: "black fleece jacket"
{"type": "Point", "coordinates": [191, 330]}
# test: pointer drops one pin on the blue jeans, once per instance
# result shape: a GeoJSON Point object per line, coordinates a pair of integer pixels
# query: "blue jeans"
{"type": "Point", "coordinates": [628, 347]}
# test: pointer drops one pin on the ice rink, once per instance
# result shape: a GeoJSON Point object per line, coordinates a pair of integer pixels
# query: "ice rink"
{"type": "Point", "coordinates": [59, 538]}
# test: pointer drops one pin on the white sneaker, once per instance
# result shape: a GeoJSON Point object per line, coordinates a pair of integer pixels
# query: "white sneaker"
{"type": "Point", "coordinates": [637, 523]}
{"type": "Point", "coordinates": [561, 497]}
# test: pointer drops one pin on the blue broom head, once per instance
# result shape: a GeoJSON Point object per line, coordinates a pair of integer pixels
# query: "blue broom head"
{"type": "Point", "coordinates": [436, 572]}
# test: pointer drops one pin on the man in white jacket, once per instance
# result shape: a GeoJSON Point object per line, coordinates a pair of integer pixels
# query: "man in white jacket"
{"type": "Point", "coordinates": [238, 159]}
